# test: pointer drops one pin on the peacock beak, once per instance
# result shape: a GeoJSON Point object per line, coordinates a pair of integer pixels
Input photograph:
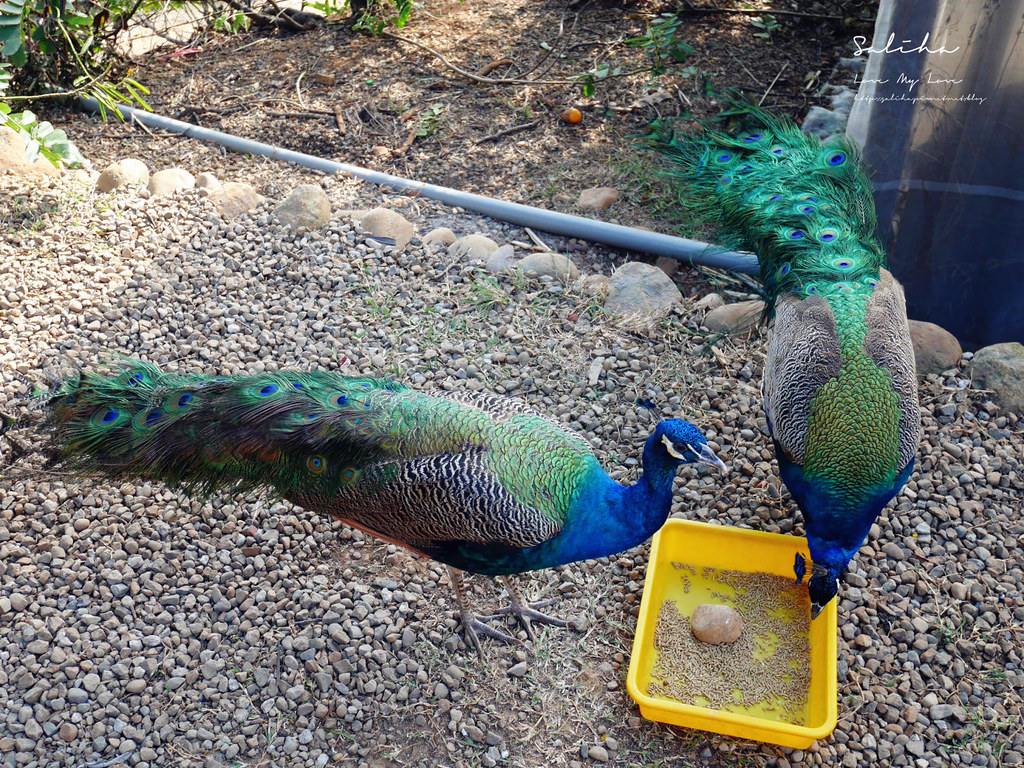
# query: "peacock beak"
{"type": "Point", "coordinates": [706, 456]}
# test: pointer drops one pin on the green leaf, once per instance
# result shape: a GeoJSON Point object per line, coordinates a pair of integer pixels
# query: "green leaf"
{"type": "Point", "coordinates": [78, 21]}
{"type": "Point", "coordinates": [32, 150]}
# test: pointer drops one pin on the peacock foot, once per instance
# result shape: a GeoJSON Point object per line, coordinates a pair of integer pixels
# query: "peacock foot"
{"type": "Point", "coordinates": [472, 624]}
{"type": "Point", "coordinates": [526, 613]}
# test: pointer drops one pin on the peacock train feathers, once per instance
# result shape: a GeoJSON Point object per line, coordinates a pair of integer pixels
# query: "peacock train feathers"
{"type": "Point", "coordinates": [840, 389]}
{"type": "Point", "coordinates": [478, 482]}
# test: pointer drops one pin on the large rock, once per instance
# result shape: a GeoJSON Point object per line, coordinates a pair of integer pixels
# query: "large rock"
{"type": "Point", "coordinates": [549, 264]}
{"type": "Point", "coordinates": [1000, 368]}
{"type": "Point", "coordinates": [307, 207]}
{"type": "Point", "coordinates": [474, 248]}
{"type": "Point", "coordinates": [935, 349]}
{"type": "Point", "coordinates": [207, 180]}
{"type": "Point", "coordinates": [387, 226]}
{"type": "Point", "coordinates": [234, 199]}
{"type": "Point", "coordinates": [440, 236]}
{"type": "Point", "coordinates": [123, 173]}
{"type": "Point", "coordinates": [501, 259]}
{"type": "Point", "coordinates": [597, 199]}
{"type": "Point", "coordinates": [734, 318]}
{"type": "Point", "coordinates": [636, 288]}
{"type": "Point", "coordinates": [12, 156]}
{"type": "Point", "coordinates": [170, 180]}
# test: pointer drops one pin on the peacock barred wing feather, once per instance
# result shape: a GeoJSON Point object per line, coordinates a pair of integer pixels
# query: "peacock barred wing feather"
{"type": "Point", "coordinates": [839, 387]}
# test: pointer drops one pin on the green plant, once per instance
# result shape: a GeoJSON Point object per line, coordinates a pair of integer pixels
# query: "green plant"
{"type": "Point", "coordinates": [661, 43]}
{"type": "Point", "coordinates": [588, 80]}
{"type": "Point", "coordinates": [41, 138]}
{"type": "Point", "coordinates": [430, 121]}
{"type": "Point", "coordinates": [372, 16]}
{"type": "Point", "coordinates": [767, 24]}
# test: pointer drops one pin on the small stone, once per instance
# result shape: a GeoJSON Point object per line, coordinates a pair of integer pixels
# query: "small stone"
{"type": "Point", "coordinates": [519, 670]}
{"type": "Point", "coordinates": [636, 288]}
{"type": "Point", "coordinates": [941, 712]}
{"type": "Point", "coordinates": [474, 733]}
{"type": "Point", "coordinates": [597, 198]}
{"type": "Point", "coordinates": [915, 747]}
{"type": "Point", "coordinates": [19, 602]}
{"type": "Point", "coordinates": [440, 691]}
{"type": "Point", "coordinates": [862, 641]}
{"type": "Point", "coordinates": [174, 683]}
{"type": "Point", "coordinates": [711, 301]}
{"type": "Point", "coordinates": [935, 349]}
{"type": "Point", "coordinates": [599, 753]}
{"type": "Point", "coordinates": [148, 754]}
{"type": "Point", "coordinates": [894, 551]}
{"type": "Point", "coordinates": [549, 264]}
{"type": "Point", "coordinates": [716, 624]}
{"type": "Point", "coordinates": [77, 695]}
{"type": "Point", "coordinates": [667, 265]}
{"type": "Point", "coordinates": [307, 207]}
{"type": "Point", "coordinates": [597, 285]}
{"type": "Point", "coordinates": [473, 248]}
{"type": "Point", "coordinates": [125, 172]}
{"type": "Point", "coordinates": [734, 318]}
{"type": "Point", "coordinates": [68, 732]}
{"type": "Point", "coordinates": [135, 686]}
{"type": "Point", "coordinates": [80, 524]}
{"type": "Point", "coordinates": [91, 682]}
{"type": "Point", "coordinates": [324, 78]}
{"type": "Point", "coordinates": [235, 199]}
{"type": "Point", "coordinates": [388, 227]}
{"type": "Point", "coordinates": [5, 604]}
{"type": "Point", "coordinates": [440, 236]}
{"type": "Point", "coordinates": [169, 181]}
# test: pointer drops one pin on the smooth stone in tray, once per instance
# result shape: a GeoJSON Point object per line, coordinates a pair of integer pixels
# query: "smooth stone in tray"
{"type": "Point", "coordinates": [716, 624]}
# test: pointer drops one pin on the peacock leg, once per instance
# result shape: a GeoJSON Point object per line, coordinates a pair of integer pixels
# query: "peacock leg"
{"type": "Point", "coordinates": [470, 623]}
{"type": "Point", "coordinates": [525, 612]}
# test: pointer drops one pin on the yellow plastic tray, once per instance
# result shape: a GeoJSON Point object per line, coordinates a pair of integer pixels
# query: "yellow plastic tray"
{"type": "Point", "coordinates": [715, 546]}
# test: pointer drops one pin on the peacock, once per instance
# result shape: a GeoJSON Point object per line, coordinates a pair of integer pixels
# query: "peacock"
{"type": "Point", "coordinates": [478, 482]}
{"type": "Point", "coordinates": [839, 388]}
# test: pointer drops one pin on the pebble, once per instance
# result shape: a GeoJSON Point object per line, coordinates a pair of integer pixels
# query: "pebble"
{"type": "Point", "coordinates": [598, 753]}
{"type": "Point", "coordinates": [716, 624]}
{"type": "Point", "coordinates": [518, 670]}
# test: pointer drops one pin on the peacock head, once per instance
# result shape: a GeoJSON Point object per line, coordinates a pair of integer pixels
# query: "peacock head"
{"type": "Point", "coordinates": [683, 443]}
{"type": "Point", "coordinates": [822, 586]}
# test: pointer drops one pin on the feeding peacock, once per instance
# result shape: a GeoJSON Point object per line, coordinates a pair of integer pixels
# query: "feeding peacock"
{"type": "Point", "coordinates": [478, 482]}
{"type": "Point", "coordinates": [840, 391]}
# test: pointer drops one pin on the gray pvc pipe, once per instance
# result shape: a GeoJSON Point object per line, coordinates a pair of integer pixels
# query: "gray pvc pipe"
{"type": "Point", "coordinates": [614, 235]}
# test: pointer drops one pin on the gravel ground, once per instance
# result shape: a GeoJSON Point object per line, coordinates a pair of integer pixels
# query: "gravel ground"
{"type": "Point", "coordinates": [171, 631]}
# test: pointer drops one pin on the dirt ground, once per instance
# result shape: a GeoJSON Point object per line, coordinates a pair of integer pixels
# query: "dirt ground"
{"type": "Point", "coordinates": [393, 105]}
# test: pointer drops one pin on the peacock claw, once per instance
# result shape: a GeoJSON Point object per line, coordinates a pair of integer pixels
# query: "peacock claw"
{"type": "Point", "coordinates": [472, 624]}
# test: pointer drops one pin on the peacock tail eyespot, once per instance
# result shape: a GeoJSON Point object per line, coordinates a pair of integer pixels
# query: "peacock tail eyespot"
{"type": "Point", "coordinates": [152, 418]}
{"type": "Point", "coordinates": [808, 198]}
{"type": "Point", "coordinates": [340, 400]}
{"type": "Point", "coordinates": [752, 138]}
{"type": "Point", "coordinates": [842, 263]}
{"type": "Point", "coordinates": [316, 464]}
{"type": "Point", "coordinates": [778, 151]}
{"type": "Point", "coordinates": [783, 270]}
{"type": "Point", "coordinates": [106, 417]}
{"type": "Point", "coordinates": [835, 159]}
{"type": "Point", "coordinates": [810, 289]}
{"type": "Point", "coordinates": [795, 234]}
{"type": "Point", "coordinates": [805, 210]}
{"type": "Point", "coordinates": [348, 474]}
{"type": "Point", "coordinates": [355, 421]}
{"type": "Point", "coordinates": [134, 379]}
{"type": "Point", "coordinates": [297, 385]}
{"type": "Point", "coordinates": [871, 282]}
{"type": "Point", "coordinates": [773, 198]}
{"type": "Point", "coordinates": [179, 401]}
{"type": "Point", "coordinates": [725, 181]}
{"type": "Point", "coordinates": [366, 386]}
{"type": "Point", "coordinates": [745, 169]}
{"type": "Point", "coordinates": [267, 390]}
{"type": "Point", "coordinates": [844, 287]}
{"type": "Point", "coordinates": [827, 235]}
{"type": "Point", "coordinates": [723, 157]}
{"type": "Point", "coordinates": [312, 416]}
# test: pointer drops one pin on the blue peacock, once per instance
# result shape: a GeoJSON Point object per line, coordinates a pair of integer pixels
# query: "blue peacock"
{"type": "Point", "coordinates": [478, 482]}
{"type": "Point", "coordinates": [840, 391]}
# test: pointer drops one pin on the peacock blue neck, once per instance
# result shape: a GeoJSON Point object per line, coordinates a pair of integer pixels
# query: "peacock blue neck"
{"type": "Point", "coordinates": [606, 518]}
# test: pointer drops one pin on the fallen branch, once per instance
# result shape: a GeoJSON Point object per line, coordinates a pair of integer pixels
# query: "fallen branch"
{"type": "Point", "coordinates": [507, 131]}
